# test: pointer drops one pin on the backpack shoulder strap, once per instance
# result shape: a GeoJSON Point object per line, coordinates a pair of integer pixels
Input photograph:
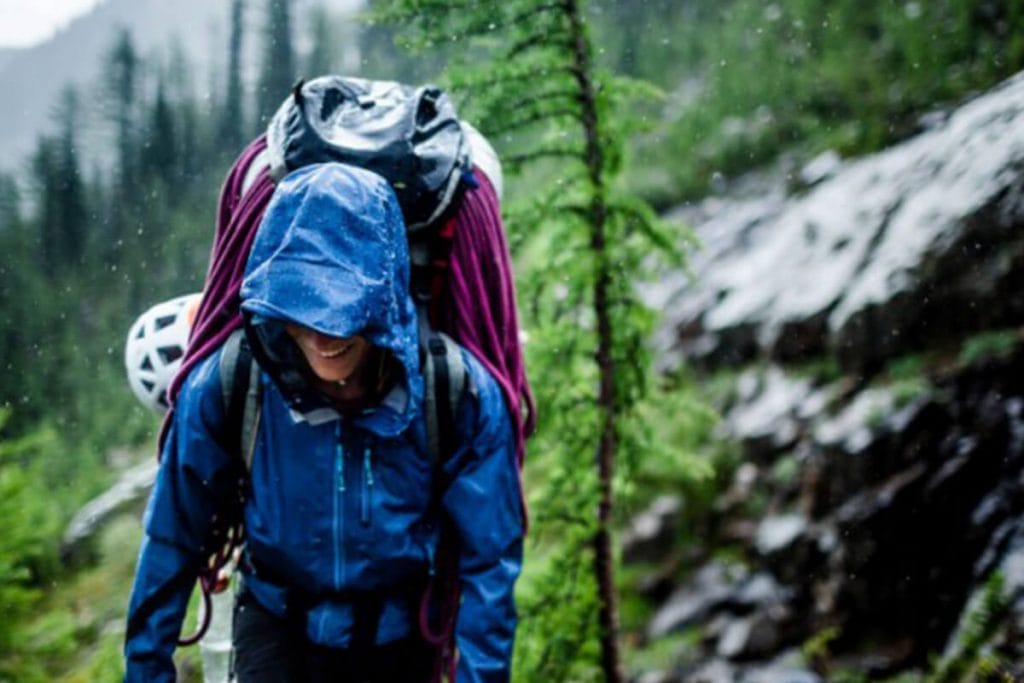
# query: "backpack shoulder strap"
{"type": "Point", "coordinates": [240, 392]}
{"type": "Point", "coordinates": [446, 380]}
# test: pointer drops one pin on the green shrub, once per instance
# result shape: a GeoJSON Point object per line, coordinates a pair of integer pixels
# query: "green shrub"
{"type": "Point", "coordinates": [28, 546]}
{"type": "Point", "coordinates": [988, 344]}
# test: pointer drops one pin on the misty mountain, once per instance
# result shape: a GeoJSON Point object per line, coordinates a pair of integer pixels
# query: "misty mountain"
{"type": "Point", "coordinates": [8, 53]}
{"type": "Point", "coordinates": [31, 78]}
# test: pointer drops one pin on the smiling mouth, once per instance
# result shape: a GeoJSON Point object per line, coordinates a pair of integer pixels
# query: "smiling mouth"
{"type": "Point", "coordinates": [341, 350]}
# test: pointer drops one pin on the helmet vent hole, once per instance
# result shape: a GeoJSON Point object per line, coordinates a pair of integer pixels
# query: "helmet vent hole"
{"type": "Point", "coordinates": [141, 333]}
{"type": "Point", "coordinates": [169, 354]}
{"type": "Point", "coordinates": [149, 385]}
{"type": "Point", "coordinates": [164, 321]}
{"type": "Point", "coordinates": [146, 364]}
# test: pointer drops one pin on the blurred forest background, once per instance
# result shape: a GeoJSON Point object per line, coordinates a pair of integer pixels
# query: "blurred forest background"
{"type": "Point", "coordinates": [91, 239]}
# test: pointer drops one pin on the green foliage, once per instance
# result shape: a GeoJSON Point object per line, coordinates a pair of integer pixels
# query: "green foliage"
{"type": "Point", "coordinates": [665, 653]}
{"type": "Point", "coordinates": [972, 659]}
{"type": "Point", "coordinates": [86, 254]}
{"type": "Point", "coordinates": [820, 370]}
{"type": "Point", "coordinates": [89, 247]}
{"type": "Point", "coordinates": [667, 448]}
{"type": "Point", "coordinates": [816, 650]}
{"type": "Point", "coordinates": [907, 379]}
{"type": "Point", "coordinates": [753, 79]}
{"type": "Point", "coordinates": [323, 56]}
{"type": "Point", "coordinates": [277, 67]}
{"type": "Point", "coordinates": [232, 122]}
{"type": "Point", "coordinates": [785, 470]}
{"type": "Point", "coordinates": [993, 343]}
{"type": "Point", "coordinates": [28, 552]}
{"type": "Point", "coordinates": [530, 83]}
{"type": "Point", "coordinates": [76, 632]}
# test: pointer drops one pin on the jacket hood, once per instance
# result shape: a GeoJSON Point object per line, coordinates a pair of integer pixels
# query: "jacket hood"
{"type": "Point", "coordinates": [331, 255]}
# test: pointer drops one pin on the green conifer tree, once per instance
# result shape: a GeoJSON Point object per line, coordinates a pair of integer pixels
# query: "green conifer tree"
{"type": "Point", "coordinates": [277, 74]}
{"type": "Point", "coordinates": [123, 72]}
{"type": "Point", "coordinates": [533, 85]}
{"type": "Point", "coordinates": [46, 214]}
{"type": "Point", "coordinates": [159, 147]}
{"type": "Point", "coordinates": [322, 57]}
{"type": "Point", "coordinates": [232, 123]}
{"type": "Point", "coordinates": [71, 215]}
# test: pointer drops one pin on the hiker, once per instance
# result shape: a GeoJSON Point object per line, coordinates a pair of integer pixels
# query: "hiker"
{"type": "Point", "coordinates": [343, 506]}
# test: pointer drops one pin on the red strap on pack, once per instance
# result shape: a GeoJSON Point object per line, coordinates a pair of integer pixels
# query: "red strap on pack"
{"type": "Point", "coordinates": [440, 259]}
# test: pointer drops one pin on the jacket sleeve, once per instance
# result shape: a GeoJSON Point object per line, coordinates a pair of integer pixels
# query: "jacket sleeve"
{"type": "Point", "coordinates": [483, 502]}
{"type": "Point", "coordinates": [194, 474]}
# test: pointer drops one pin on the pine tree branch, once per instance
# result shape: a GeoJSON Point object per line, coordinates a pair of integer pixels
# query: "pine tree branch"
{"type": "Point", "coordinates": [544, 41]}
{"type": "Point", "coordinates": [539, 117]}
{"type": "Point", "coordinates": [534, 11]}
{"type": "Point", "coordinates": [642, 218]}
{"type": "Point", "coordinates": [534, 103]}
{"type": "Point", "coordinates": [491, 81]}
{"type": "Point", "coordinates": [491, 25]}
{"type": "Point", "coordinates": [427, 10]}
{"type": "Point", "coordinates": [544, 153]}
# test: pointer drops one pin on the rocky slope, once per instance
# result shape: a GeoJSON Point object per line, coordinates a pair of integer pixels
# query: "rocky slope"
{"type": "Point", "coordinates": [895, 252]}
{"type": "Point", "coordinates": [875, 519]}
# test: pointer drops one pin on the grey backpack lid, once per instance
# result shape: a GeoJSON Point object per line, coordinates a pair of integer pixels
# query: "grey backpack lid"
{"type": "Point", "coordinates": [411, 136]}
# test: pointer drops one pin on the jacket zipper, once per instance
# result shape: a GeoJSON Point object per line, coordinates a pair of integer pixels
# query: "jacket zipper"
{"type": "Point", "coordinates": [339, 514]}
{"type": "Point", "coordinates": [429, 547]}
{"type": "Point", "coordinates": [367, 485]}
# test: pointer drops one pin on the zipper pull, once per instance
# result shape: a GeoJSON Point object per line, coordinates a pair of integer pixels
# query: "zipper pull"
{"type": "Point", "coordinates": [341, 460]}
{"type": "Point", "coordinates": [367, 484]}
{"type": "Point", "coordinates": [368, 456]}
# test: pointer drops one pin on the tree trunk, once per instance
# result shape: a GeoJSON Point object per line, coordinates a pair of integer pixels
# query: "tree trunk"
{"type": "Point", "coordinates": [604, 563]}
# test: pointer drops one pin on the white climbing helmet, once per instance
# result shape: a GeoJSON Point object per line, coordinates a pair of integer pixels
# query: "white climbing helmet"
{"type": "Point", "coordinates": [483, 155]}
{"type": "Point", "coordinates": [156, 344]}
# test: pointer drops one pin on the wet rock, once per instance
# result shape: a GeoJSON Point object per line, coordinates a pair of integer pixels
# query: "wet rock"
{"type": "Point", "coordinates": [760, 590]}
{"type": "Point", "coordinates": [740, 531]}
{"type": "Point", "coordinates": [777, 534]}
{"type": "Point", "coordinates": [889, 509]}
{"type": "Point", "coordinates": [743, 482]}
{"type": "Point", "coordinates": [129, 491]}
{"type": "Point", "coordinates": [996, 547]}
{"type": "Point", "coordinates": [764, 419]}
{"type": "Point", "coordinates": [852, 429]}
{"type": "Point", "coordinates": [1011, 569]}
{"type": "Point", "coordinates": [749, 637]}
{"type": "Point", "coordinates": [654, 677]}
{"type": "Point", "coordinates": [649, 537]}
{"type": "Point", "coordinates": [714, 671]}
{"type": "Point", "coordinates": [657, 584]}
{"type": "Point", "coordinates": [889, 254]}
{"type": "Point", "coordinates": [780, 674]}
{"type": "Point", "coordinates": [711, 587]}
{"type": "Point", "coordinates": [820, 168]}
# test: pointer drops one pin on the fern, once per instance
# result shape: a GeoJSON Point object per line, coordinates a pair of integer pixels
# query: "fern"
{"type": "Point", "coordinates": [972, 659]}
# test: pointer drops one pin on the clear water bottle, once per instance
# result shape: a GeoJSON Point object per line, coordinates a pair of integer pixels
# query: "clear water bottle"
{"type": "Point", "coordinates": [215, 647]}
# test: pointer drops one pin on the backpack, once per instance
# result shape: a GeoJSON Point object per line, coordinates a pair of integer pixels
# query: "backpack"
{"type": "Point", "coordinates": [412, 137]}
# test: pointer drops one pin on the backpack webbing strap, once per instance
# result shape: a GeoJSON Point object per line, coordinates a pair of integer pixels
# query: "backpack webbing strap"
{"type": "Point", "coordinates": [240, 392]}
{"type": "Point", "coordinates": [445, 379]}
{"type": "Point", "coordinates": [429, 261]}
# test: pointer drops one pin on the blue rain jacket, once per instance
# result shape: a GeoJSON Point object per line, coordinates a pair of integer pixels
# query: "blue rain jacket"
{"type": "Point", "coordinates": [339, 504]}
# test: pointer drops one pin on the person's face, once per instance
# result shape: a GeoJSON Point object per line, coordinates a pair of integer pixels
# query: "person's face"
{"type": "Point", "coordinates": [332, 359]}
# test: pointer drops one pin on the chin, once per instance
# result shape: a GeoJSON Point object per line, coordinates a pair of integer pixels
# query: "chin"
{"type": "Point", "coordinates": [329, 374]}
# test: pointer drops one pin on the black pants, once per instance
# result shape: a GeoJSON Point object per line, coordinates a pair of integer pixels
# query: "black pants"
{"type": "Point", "coordinates": [271, 649]}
